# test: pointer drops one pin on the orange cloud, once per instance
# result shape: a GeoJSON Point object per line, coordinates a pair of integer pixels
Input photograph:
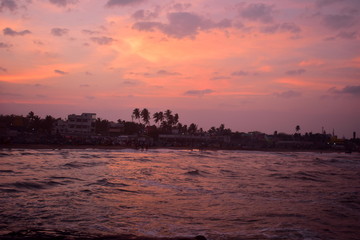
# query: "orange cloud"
{"type": "Point", "coordinates": [356, 62]}
{"type": "Point", "coordinates": [311, 62]}
{"type": "Point", "coordinates": [316, 84]}
{"type": "Point", "coordinates": [265, 69]}
{"type": "Point", "coordinates": [40, 72]}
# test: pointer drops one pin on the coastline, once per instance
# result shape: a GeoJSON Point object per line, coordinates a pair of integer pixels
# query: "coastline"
{"type": "Point", "coordinates": [40, 234]}
{"type": "Point", "coordinates": [118, 147]}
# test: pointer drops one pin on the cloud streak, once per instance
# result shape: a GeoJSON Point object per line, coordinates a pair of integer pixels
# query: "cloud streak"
{"type": "Point", "coordinates": [167, 73]}
{"type": "Point", "coordinates": [122, 3]}
{"type": "Point", "coordinates": [182, 25]}
{"type": "Point", "coordinates": [8, 4]}
{"type": "Point", "coordinates": [60, 72]}
{"type": "Point", "coordinates": [296, 72]}
{"type": "Point", "coordinates": [240, 73]}
{"type": "Point", "coordinates": [199, 92]}
{"type": "Point", "coordinates": [5, 45]}
{"type": "Point", "coordinates": [59, 32]}
{"type": "Point", "coordinates": [102, 40]}
{"type": "Point", "coordinates": [10, 32]}
{"type": "Point", "coordinates": [288, 94]}
{"type": "Point", "coordinates": [63, 3]}
{"type": "Point", "coordinates": [352, 90]}
{"type": "Point", "coordinates": [337, 22]}
{"type": "Point", "coordinates": [258, 12]}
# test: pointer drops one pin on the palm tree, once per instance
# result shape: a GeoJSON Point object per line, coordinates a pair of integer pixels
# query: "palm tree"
{"type": "Point", "coordinates": [135, 114]}
{"type": "Point", "coordinates": [297, 128]}
{"type": "Point", "coordinates": [192, 128]}
{"type": "Point", "coordinates": [158, 117]}
{"type": "Point", "coordinates": [168, 116]}
{"type": "Point", "coordinates": [212, 130]}
{"type": "Point", "coordinates": [145, 115]}
{"type": "Point", "coordinates": [179, 127]}
{"type": "Point", "coordinates": [176, 118]}
{"type": "Point", "coordinates": [31, 115]}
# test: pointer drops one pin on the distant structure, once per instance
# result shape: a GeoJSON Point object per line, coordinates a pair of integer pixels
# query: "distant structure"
{"type": "Point", "coordinates": [83, 124]}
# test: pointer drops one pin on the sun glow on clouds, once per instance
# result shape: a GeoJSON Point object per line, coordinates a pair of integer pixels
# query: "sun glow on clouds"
{"type": "Point", "coordinates": [201, 55]}
{"type": "Point", "coordinates": [39, 73]}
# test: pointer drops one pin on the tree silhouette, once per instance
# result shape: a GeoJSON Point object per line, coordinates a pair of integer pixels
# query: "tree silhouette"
{"type": "Point", "coordinates": [31, 116]}
{"type": "Point", "coordinates": [145, 115]}
{"type": "Point", "coordinates": [176, 119]}
{"type": "Point", "coordinates": [102, 126]}
{"type": "Point", "coordinates": [158, 117]}
{"type": "Point", "coordinates": [297, 128]}
{"type": "Point", "coordinates": [47, 123]}
{"type": "Point", "coordinates": [192, 128]}
{"type": "Point", "coordinates": [135, 114]}
{"type": "Point", "coordinates": [169, 117]}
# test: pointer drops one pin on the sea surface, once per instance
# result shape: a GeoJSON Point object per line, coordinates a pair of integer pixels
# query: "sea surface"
{"type": "Point", "coordinates": [168, 193]}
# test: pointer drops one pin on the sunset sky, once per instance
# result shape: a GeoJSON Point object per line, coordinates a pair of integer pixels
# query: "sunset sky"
{"type": "Point", "coordinates": [253, 65]}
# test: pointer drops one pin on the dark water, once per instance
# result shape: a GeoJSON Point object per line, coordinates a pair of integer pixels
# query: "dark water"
{"type": "Point", "coordinates": [167, 193]}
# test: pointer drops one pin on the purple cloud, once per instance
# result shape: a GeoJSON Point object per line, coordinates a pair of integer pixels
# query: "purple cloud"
{"type": "Point", "coordinates": [13, 33]}
{"type": "Point", "coordinates": [348, 3]}
{"type": "Point", "coordinates": [296, 72]}
{"type": "Point", "coordinates": [8, 4]}
{"type": "Point", "coordinates": [59, 32]}
{"type": "Point", "coordinates": [5, 45]}
{"type": "Point", "coordinates": [270, 29]}
{"type": "Point", "coordinates": [90, 97]}
{"type": "Point", "coordinates": [102, 40]}
{"type": "Point", "coordinates": [257, 12]}
{"type": "Point", "coordinates": [343, 35]}
{"type": "Point", "coordinates": [347, 35]}
{"type": "Point", "coordinates": [38, 42]}
{"type": "Point", "coordinates": [3, 69]}
{"type": "Point", "coordinates": [352, 90]}
{"type": "Point", "coordinates": [284, 27]}
{"type": "Point", "coordinates": [288, 94]}
{"type": "Point", "coordinates": [131, 82]}
{"type": "Point", "coordinates": [144, 15]}
{"type": "Point", "coordinates": [323, 3]}
{"type": "Point", "coordinates": [338, 21]}
{"type": "Point", "coordinates": [90, 32]}
{"type": "Point", "coordinates": [147, 26]}
{"type": "Point", "coordinates": [166, 73]}
{"type": "Point", "coordinates": [240, 73]}
{"type": "Point", "coordinates": [220, 78]}
{"type": "Point", "coordinates": [60, 72]}
{"type": "Point", "coordinates": [63, 3]}
{"type": "Point", "coordinates": [290, 27]}
{"type": "Point", "coordinates": [139, 15]}
{"type": "Point", "coordinates": [182, 24]}
{"type": "Point", "coordinates": [181, 7]}
{"type": "Point", "coordinates": [121, 3]}
{"type": "Point", "coordinates": [198, 92]}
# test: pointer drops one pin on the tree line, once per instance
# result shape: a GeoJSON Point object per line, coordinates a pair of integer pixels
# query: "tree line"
{"type": "Point", "coordinates": [164, 122]}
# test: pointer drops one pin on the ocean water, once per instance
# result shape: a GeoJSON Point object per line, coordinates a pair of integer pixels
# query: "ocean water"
{"type": "Point", "coordinates": [168, 193]}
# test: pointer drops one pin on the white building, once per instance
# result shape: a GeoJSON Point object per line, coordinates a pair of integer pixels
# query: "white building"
{"type": "Point", "coordinates": [83, 124]}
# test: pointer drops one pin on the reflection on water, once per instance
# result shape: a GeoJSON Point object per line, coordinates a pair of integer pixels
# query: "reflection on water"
{"type": "Point", "coordinates": [218, 194]}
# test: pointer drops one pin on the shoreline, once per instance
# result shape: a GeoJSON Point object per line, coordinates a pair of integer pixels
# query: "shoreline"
{"type": "Point", "coordinates": [117, 147]}
{"type": "Point", "coordinates": [46, 234]}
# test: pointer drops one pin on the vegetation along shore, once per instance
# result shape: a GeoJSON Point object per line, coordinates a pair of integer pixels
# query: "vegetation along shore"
{"type": "Point", "coordinates": [159, 130]}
